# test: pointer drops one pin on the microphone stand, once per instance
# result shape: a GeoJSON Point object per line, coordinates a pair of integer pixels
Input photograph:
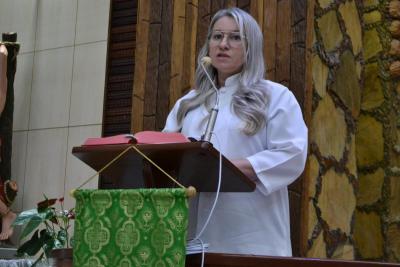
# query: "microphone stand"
{"type": "Point", "coordinates": [214, 111]}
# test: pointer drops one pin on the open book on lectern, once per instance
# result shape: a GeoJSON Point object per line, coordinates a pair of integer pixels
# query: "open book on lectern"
{"type": "Point", "coordinates": [145, 137]}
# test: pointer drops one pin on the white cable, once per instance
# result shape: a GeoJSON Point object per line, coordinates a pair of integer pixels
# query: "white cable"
{"type": "Point", "coordinates": [217, 192]}
{"type": "Point", "coordinates": [192, 247]}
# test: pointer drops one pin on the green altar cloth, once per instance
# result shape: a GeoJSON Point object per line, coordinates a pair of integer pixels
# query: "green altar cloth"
{"type": "Point", "coordinates": [134, 227]}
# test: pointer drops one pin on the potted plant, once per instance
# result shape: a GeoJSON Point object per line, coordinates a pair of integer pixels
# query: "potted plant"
{"type": "Point", "coordinates": [50, 228]}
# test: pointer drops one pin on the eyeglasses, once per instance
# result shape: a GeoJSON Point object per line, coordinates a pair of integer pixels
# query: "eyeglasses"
{"type": "Point", "coordinates": [234, 38]}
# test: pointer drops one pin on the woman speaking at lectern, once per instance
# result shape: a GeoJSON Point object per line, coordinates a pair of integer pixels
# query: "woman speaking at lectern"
{"type": "Point", "coordinates": [259, 128]}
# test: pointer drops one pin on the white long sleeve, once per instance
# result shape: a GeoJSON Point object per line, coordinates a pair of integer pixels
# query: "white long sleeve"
{"type": "Point", "coordinates": [284, 158]}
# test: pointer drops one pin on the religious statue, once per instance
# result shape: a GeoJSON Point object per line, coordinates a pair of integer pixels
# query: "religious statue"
{"type": "Point", "coordinates": [8, 188]}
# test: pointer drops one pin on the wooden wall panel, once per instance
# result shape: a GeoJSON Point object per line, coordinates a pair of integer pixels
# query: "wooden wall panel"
{"type": "Point", "coordinates": [164, 48]}
{"type": "Point", "coordinates": [257, 11]}
{"type": "Point", "coordinates": [297, 50]}
{"type": "Point", "coordinates": [168, 37]}
{"type": "Point", "coordinates": [142, 43]}
{"type": "Point", "coordinates": [153, 57]}
{"type": "Point", "coordinates": [244, 4]}
{"type": "Point", "coordinates": [216, 5]}
{"type": "Point", "coordinates": [204, 17]}
{"type": "Point", "coordinates": [283, 41]}
{"type": "Point", "coordinates": [189, 52]}
{"type": "Point", "coordinates": [230, 3]}
{"type": "Point", "coordinates": [178, 40]}
{"type": "Point", "coordinates": [307, 111]}
{"type": "Point", "coordinates": [269, 32]}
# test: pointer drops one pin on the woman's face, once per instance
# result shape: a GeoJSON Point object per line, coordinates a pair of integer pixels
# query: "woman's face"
{"type": "Point", "coordinates": [226, 47]}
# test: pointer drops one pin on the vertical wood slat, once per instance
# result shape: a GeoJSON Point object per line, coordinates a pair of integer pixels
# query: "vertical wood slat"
{"type": "Point", "coordinates": [284, 73]}
{"type": "Point", "coordinates": [269, 32]}
{"type": "Point", "coordinates": [204, 17]}
{"type": "Point", "coordinates": [216, 5]}
{"type": "Point", "coordinates": [297, 50]}
{"type": "Point", "coordinates": [230, 3]}
{"type": "Point", "coordinates": [244, 4]}
{"type": "Point", "coordinates": [164, 64]}
{"type": "Point", "coordinates": [178, 30]}
{"type": "Point", "coordinates": [142, 33]}
{"type": "Point", "coordinates": [189, 58]}
{"type": "Point", "coordinates": [152, 71]}
{"type": "Point", "coordinates": [257, 11]}
{"type": "Point", "coordinates": [283, 37]}
{"type": "Point", "coordinates": [307, 111]}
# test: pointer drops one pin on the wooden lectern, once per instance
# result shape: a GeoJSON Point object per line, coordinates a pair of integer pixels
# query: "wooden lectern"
{"type": "Point", "coordinates": [193, 164]}
{"type": "Point", "coordinates": [232, 260]}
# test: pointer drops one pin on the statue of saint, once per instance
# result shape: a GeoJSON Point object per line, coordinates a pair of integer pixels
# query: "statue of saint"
{"type": "Point", "coordinates": [8, 188]}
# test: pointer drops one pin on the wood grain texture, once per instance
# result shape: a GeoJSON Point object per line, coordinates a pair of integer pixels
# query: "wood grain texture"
{"type": "Point", "coordinates": [216, 5]}
{"type": "Point", "coordinates": [257, 11]}
{"type": "Point", "coordinates": [189, 57]}
{"type": "Point", "coordinates": [153, 56]}
{"type": "Point", "coordinates": [307, 110]}
{"type": "Point", "coordinates": [178, 40]}
{"type": "Point", "coordinates": [297, 59]}
{"type": "Point", "coordinates": [269, 32]}
{"type": "Point", "coordinates": [230, 3]}
{"type": "Point", "coordinates": [204, 17]}
{"type": "Point", "coordinates": [164, 72]}
{"type": "Point", "coordinates": [142, 43]}
{"type": "Point", "coordinates": [244, 4]}
{"type": "Point", "coordinates": [283, 38]}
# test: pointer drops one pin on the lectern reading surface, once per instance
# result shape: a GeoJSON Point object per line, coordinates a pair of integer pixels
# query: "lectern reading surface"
{"type": "Point", "coordinates": [193, 164]}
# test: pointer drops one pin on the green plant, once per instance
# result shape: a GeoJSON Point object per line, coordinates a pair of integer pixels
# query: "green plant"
{"type": "Point", "coordinates": [49, 227]}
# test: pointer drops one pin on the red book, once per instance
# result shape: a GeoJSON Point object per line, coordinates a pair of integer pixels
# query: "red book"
{"type": "Point", "coordinates": [145, 137]}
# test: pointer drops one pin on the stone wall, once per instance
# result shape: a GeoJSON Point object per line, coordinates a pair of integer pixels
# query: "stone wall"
{"type": "Point", "coordinates": [332, 171]}
{"type": "Point", "coordinates": [377, 218]}
{"type": "Point", "coordinates": [353, 178]}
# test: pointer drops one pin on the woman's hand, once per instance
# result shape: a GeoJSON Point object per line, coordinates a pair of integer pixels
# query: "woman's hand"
{"type": "Point", "coordinates": [245, 166]}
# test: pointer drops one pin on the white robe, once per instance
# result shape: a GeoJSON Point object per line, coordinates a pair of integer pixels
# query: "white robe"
{"type": "Point", "coordinates": [255, 223]}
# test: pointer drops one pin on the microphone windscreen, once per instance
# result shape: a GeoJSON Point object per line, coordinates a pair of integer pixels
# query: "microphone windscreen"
{"type": "Point", "coordinates": [206, 60]}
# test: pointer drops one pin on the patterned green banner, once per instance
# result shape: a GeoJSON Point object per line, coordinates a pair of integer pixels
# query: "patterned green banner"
{"type": "Point", "coordinates": [134, 227]}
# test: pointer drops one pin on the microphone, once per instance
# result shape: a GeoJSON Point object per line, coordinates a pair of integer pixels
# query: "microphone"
{"type": "Point", "coordinates": [206, 61]}
{"type": "Point", "coordinates": [214, 111]}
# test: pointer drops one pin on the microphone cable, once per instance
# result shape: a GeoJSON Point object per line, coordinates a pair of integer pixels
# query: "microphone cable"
{"type": "Point", "coordinates": [192, 246]}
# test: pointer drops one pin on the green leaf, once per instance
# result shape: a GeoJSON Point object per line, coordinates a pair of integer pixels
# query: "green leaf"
{"type": "Point", "coordinates": [48, 242]}
{"type": "Point", "coordinates": [34, 223]}
{"type": "Point", "coordinates": [49, 214]}
{"type": "Point", "coordinates": [58, 243]}
{"type": "Point", "coordinates": [72, 241]}
{"type": "Point", "coordinates": [25, 216]}
{"type": "Point", "coordinates": [62, 235]}
{"type": "Point", "coordinates": [32, 246]}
